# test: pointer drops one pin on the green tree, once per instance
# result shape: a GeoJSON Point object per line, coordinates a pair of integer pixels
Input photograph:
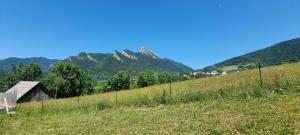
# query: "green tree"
{"type": "Point", "coordinates": [164, 77]}
{"type": "Point", "coordinates": [68, 80]}
{"type": "Point", "coordinates": [101, 87]}
{"type": "Point", "coordinates": [120, 81]}
{"type": "Point", "coordinates": [184, 77]}
{"type": "Point", "coordinates": [146, 78]}
{"type": "Point", "coordinates": [30, 72]}
{"type": "Point", "coordinates": [2, 77]}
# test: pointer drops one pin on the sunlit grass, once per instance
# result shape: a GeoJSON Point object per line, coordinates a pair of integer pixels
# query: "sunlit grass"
{"type": "Point", "coordinates": [246, 80]}
{"type": "Point", "coordinates": [231, 104]}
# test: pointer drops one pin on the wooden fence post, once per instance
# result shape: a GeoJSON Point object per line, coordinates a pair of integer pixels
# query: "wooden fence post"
{"type": "Point", "coordinates": [6, 105]}
{"type": "Point", "coordinates": [116, 96]}
{"type": "Point", "coordinates": [55, 93]}
{"type": "Point", "coordinates": [260, 75]}
{"type": "Point", "coordinates": [78, 102]}
{"type": "Point", "coordinates": [170, 87]}
{"type": "Point", "coordinates": [42, 104]}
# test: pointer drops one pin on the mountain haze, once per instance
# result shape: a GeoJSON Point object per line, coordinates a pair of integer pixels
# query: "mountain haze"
{"type": "Point", "coordinates": [45, 63]}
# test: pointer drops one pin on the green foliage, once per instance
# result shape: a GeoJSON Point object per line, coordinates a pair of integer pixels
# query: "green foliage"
{"type": "Point", "coordinates": [106, 65]}
{"type": "Point", "coordinates": [146, 78]}
{"type": "Point", "coordinates": [164, 77]}
{"type": "Point", "coordinates": [247, 66]}
{"type": "Point", "coordinates": [184, 77]}
{"type": "Point", "coordinates": [209, 69]}
{"type": "Point", "coordinates": [124, 80]}
{"type": "Point", "coordinates": [44, 63]}
{"type": "Point", "coordinates": [163, 98]}
{"type": "Point", "coordinates": [101, 87]}
{"type": "Point", "coordinates": [236, 103]}
{"type": "Point", "coordinates": [31, 72]}
{"type": "Point", "coordinates": [120, 81]}
{"type": "Point", "coordinates": [68, 79]}
{"type": "Point", "coordinates": [284, 52]}
{"type": "Point", "coordinates": [281, 53]}
{"type": "Point", "coordinates": [102, 105]}
{"type": "Point", "coordinates": [2, 77]}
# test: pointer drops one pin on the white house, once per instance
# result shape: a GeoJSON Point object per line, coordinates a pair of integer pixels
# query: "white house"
{"type": "Point", "coordinates": [224, 73]}
{"type": "Point", "coordinates": [215, 72]}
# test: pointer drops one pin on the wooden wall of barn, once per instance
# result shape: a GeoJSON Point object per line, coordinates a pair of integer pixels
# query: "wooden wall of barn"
{"type": "Point", "coordinates": [38, 93]}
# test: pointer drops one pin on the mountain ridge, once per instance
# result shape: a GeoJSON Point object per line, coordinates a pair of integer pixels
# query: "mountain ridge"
{"type": "Point", "coordinates": [282, 52]}
{"type": "Point", "coordinates": [45, 63]}
{"type": "Point", "coordinates": [104, 64]}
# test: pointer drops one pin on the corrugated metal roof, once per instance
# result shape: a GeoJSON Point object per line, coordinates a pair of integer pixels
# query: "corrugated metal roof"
{"type": "Point", "coordinates": [22, 88]}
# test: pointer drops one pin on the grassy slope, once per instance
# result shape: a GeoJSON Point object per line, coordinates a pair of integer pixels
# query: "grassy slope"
{"type": "Point", "coordinates": [259, 116]}
{"type": "Point", "coordinates": [224, 104]}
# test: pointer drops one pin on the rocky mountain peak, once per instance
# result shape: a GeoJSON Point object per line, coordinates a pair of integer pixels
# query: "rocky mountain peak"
{"type": "Point", "coordinates": [116, 56]}
{"type": "Point", "coordinates": [149, 53]}
{"type": "Point", "coordinates": [129, 54]}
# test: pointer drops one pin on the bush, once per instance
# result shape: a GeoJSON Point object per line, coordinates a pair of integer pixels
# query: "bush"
{"type": "Point", "coordinates": [146, 78]}
{"type": "Point", "coordinates": [189, 97]}
{"type": "Point", "coordinates": [145, 100]}
{"type": "Point", "coordinates": [102, 105]}
{"type": "Point", "coordinates": [120, 81]}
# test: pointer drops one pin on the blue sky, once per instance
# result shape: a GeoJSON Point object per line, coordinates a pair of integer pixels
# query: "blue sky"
{"type": "Point", "coordinates": [195, 32]}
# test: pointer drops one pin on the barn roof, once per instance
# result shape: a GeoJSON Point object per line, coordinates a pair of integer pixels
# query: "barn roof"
{"type": "Point", "coordinates": [22, 88]}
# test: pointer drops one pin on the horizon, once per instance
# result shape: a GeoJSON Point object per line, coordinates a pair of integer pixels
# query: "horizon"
{"type": "Point", "coordinates": [180, 31]}
{"type": "Point", "coordinates": [136, 51]}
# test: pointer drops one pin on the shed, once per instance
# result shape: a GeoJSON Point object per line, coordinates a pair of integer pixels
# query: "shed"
{"type": "Point", "coordinates": [30, 91]}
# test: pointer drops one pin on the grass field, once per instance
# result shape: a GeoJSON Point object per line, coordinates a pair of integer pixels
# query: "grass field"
{"type": "Point", "coordinates": [229, 68]}
{"type": "Point", "coordinates": [231, 104]}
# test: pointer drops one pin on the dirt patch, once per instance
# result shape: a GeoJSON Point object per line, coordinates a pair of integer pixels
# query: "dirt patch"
{"type": "Point", "coordinates": [15, 123]}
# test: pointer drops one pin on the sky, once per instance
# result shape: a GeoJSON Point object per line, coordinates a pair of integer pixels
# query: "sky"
{"type": "Point", "coordinates": [197, 33]}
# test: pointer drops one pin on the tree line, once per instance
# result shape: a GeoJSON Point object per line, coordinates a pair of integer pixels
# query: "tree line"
{"type": "Point", "coordinates": [65, 79]}
{"type": "Point", "coordinates": [125, 80]}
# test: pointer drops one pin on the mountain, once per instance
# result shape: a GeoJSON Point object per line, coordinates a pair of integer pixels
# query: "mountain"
{"type": "Point", "coordinates": [283, 52]}
{"type": "Point", "coordinates": [106, 64]}
{"type": "Point", "coordinates": [102, 65]}
{"type": "Point", "coordinates": [6, 64]}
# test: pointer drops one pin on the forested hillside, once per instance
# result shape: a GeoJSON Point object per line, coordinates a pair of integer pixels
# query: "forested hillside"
{"type": "Point", "coordinates": [104, 65]}
{"type": "Point", "coordinates": [44, 63]}
{"type": "Point", "coordinates": [2, 77]}
{"type": "Point", "coordinates": [283, 52]}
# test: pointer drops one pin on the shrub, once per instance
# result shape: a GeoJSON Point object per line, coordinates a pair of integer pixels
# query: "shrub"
{"type": "Point", "coordinates": [102, 105]}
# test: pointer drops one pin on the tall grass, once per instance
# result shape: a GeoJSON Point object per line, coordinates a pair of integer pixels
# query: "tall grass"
{"type": "Point", "coordinates": [281, 79]}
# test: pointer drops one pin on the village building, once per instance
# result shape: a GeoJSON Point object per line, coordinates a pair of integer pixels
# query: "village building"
{"type": "Point", "coordinates": [224, 73]}
{"type": "Point", "coordinates": [215, 72]}
{"type": "Point", "coordinates": [28, 91]}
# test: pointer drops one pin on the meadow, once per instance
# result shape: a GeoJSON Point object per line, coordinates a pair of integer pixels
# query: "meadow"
{"type": "Point", "coordinates": [232, 104]}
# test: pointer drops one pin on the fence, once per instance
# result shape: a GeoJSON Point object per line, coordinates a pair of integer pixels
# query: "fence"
{"type": "Point", "coordinates": [8, 101]}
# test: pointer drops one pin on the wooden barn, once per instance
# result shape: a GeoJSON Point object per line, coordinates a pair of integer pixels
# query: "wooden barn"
{"type": "Point", "coordinates": [30, 91]}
